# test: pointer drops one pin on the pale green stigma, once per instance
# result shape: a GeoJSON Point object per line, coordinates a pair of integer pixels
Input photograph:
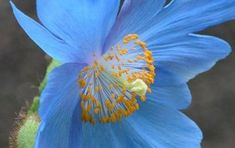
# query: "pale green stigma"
{"type": "Point", "coordinates": [138, 86]}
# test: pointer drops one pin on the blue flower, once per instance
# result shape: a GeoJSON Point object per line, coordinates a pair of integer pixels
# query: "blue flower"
{"type": "Point", "coordinates": [115, 63]}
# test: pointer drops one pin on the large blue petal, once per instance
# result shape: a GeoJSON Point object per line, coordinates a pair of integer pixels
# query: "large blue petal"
{"type": "Point", "coordinates": [181, 17]}
{"type": "Point", "coordinates": [179, 60]}
{"type": "Point", "coordinates": [59, 109]}
{"type": "Point", "coordinates": [170, 26]}
{"type": "Point", "coordinates": [178, 18]}
{"type": "Point", "coordinates": [189, 55]}
{"type": "Point", "coordinates": [155, 125]}
{"type": "Point", "coordinates": [52, 45]}
{"type": "Point", "coordinates": [82, 23]}
{"type": "Point", "coordinates": [162, 127]}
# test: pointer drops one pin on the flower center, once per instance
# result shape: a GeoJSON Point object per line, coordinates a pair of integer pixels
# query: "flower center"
{"type": "Point", "coordinates": [111, 86]}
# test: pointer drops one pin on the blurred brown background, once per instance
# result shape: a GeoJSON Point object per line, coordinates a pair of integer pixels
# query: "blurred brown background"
{"type": "Point", "coordinates": [23, 64]}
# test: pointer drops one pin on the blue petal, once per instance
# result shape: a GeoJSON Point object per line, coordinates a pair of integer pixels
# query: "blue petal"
{"type": "Point", "coordinates": [99, 136]}
{"type": "Point", "coordinates": [169, 28]}
{"type": "Point", "coordinates": [82, 23]}
{"type": "Point", "coordinates": [162, 127]}
{"type": "Point", "coordinates": [52, 45]}
{"type": "Point", "coordinates": [181, 17]}
{"type": "Point", "coordinates": [132, 18]}
{"type": "Point", "coordinates": [59, 109]}
{"type": "Point", "coordinates": [190, 55]}
{"type": "Point", "coordinates": [155, 125]}
{"type": "Point", "coordinates": [170, 89]}
{"type": "Point", "coordinates": [114, 135]}
{"type": "Point", "coordinates": [164, 78]}
{"type": "Point", "coordinates": [75, 140]}
{"type": "Point", "coordinates": [176, 96]}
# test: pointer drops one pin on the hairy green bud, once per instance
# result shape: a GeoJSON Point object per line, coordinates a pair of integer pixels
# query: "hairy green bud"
{"type": "Point", "coordinates": [27, 132]}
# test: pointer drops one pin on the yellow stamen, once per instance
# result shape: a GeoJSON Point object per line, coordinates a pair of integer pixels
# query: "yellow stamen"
{"type": "Point", "coordinates": [111, 86]}
{"type": "Point", "coordinates": [123, 51]}
{"type": "Point", "coordinates": [82, 83]}
{"type": "Point", "coordinates": [129, 38]}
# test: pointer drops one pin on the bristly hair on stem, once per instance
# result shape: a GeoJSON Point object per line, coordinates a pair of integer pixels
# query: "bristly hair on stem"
{"type": "Point", "coordinates": [27, 121]}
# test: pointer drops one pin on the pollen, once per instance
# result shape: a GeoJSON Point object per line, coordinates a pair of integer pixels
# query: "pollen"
{"type": "Point", "coordinates": [123, 51]}
{"type": "Point", "coordinates": [112, 85]}
{"type": "Point", "coordinates": [130, 37]}
{"type": "Point", "coordinates": [82, 83]}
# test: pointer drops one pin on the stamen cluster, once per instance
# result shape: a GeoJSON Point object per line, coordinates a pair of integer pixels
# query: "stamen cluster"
{"type": "Point", "coordinates": [107, 93]}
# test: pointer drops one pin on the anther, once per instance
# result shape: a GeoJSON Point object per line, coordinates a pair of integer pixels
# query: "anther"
{"type": "Point", "coordinates": [111, 85]}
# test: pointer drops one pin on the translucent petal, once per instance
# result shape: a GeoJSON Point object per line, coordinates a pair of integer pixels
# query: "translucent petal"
{"type": "Point", "coordinates": [161, 126]}
{"type": "Point", "coordinates": [83, 24]}
{"type": "Point", "coordinates": [60, 109]}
